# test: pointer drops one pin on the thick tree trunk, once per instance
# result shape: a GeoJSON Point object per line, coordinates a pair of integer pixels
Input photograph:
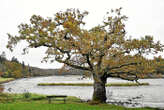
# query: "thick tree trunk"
{"type": "Point", "coordinates": [99, 94]}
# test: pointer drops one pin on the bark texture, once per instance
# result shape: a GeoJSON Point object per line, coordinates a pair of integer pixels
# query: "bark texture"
{"type": "Point", "coordinates": [99, 93]}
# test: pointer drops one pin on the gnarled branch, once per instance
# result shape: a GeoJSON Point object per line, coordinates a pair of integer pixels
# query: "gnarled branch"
{"type": "Point", "coordinates": [72, 65]}
{"type": "Point", "coordinates": [131, 76]}
{"type": "Point", "coordinates": [120, 66]}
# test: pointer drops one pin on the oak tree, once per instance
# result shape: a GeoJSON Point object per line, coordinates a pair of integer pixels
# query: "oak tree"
{"type": "Point", "coordinates": [103, 51]}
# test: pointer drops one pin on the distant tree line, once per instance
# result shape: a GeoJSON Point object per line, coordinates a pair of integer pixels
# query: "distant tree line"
{"type": "Point", "coordinates": [16, 69]}
{"type": "Point", "coordinates": [13, 68]}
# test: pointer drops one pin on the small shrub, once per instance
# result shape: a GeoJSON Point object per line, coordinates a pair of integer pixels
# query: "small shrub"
{"type": "Point", "coordinates": [26, 95]}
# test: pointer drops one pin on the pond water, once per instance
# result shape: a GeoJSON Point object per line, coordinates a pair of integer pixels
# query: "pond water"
{"type": "Point", "coordinates": [152, 96]}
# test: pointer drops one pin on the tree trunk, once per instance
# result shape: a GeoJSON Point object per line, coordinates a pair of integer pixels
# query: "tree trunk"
{"type": "Point", "coordinates": [99, 94]}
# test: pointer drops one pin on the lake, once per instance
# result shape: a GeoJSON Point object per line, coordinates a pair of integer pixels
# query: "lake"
{"type": "Point", "coordinates": [152, 96]}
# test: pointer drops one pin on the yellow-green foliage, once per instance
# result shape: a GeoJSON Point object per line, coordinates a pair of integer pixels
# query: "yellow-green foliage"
{"type": "Point", "coordinates": [103, 50]}
{"type": "Point", "coordinates": [11, 69]}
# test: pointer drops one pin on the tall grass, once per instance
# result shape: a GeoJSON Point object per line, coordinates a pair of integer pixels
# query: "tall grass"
{"type": "Point", "coordinates": [90, 84]}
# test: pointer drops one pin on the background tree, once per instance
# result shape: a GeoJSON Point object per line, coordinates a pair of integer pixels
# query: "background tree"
{"type": "Point", "coordinates": [23, 65]}
{"type": "Point", "coordinates": [24, 69]}
{"type": "Point", "coordinates": [2, 62]}
{"type": "Point", "coordinates": [103, 51]}
{"type": "Point", "coordinates": [13, 70]}
{"type": "Point", "coordinates": [14, 59]}
{"type": "Point", "coordinates": [160, 66]}
{"type": "Point", "coordinates": [3, 57]}
{"type": "Point", "coordinates": [30, 70]}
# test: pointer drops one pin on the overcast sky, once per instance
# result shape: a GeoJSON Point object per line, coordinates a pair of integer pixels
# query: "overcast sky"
{"type": "Point", "coordinates": [146, 17]}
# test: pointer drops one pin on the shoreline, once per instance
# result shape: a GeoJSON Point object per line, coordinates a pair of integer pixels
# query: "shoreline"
{"type": "Point", "coordinates": [6, 80]}
{"type": "Point", "coordinates": [22, 101]}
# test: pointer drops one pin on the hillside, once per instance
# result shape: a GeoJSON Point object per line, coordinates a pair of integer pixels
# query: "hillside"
{"type": "Point", "coordinates": [14, 69]}
{"type": "Point", "coordinates": [48, 72]}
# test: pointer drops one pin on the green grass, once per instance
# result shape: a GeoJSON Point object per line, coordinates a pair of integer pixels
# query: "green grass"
{"type": "Point", "coordinates": [4, 97]}
{"type": "Point", "coordinates": [4, 80]}
{"type": "Point", "coordinates": [90, 84]}
{"type": "Point", "coordinates": [72, 103]}
{"type": "Point", "coordinates": [67, 106]}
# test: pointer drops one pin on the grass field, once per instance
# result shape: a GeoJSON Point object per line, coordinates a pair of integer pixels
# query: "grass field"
{"type": "Point", "coordinates": [68, 106]}
{"type": "Point", "coordinates": [90, 84]}
{"type": "Point", "coordinates": [39, 102]}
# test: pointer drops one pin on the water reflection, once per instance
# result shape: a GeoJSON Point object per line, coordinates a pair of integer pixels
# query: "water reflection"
{"type": "Point", "coordinates": [152, 95]}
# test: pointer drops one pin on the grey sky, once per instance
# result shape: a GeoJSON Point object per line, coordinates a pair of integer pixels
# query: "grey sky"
{"type": "Point", "coordinates": [145, 18]}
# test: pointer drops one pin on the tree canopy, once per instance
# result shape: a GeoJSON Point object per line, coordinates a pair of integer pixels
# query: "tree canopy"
{"type": "Point", "coordinates": [104, 50]}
